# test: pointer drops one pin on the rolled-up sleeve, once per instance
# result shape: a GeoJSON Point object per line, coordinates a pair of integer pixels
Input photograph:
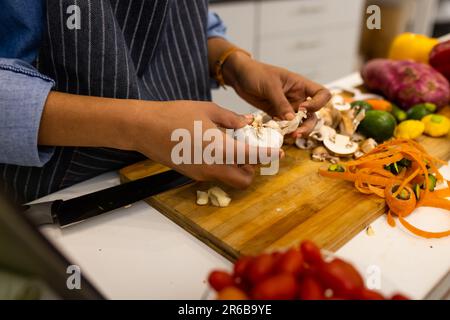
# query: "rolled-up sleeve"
{"type": "Point", "coordinates": [216, 27]}
{"type": "Point", "coordinates": [23, 93]}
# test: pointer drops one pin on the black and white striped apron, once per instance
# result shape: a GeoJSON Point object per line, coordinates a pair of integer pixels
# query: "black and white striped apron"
{"type": "Point", "coordinates": [137, 49]}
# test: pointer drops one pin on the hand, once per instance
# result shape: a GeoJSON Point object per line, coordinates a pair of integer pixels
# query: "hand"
{"type": "Point", "coordinates": [154, 125]}
{"type": "Point", "coordinates": [274, 90]}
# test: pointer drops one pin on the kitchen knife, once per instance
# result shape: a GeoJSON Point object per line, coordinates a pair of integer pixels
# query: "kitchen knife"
{"type": "Point", "coordinates": [67, 212]}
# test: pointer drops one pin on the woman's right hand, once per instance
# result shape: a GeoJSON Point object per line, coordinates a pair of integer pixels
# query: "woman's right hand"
{"type": "Point", "coordinates": [152, 125]}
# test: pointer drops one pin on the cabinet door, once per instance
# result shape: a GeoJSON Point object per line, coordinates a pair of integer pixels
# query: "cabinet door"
{"type": "Point", "coordinates": [240, 20]}
{"type": "Point", "coordinates": [287, 16]}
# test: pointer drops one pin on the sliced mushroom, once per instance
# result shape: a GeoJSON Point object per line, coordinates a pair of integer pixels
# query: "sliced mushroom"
{"type": "Point", "coordinates": [323, 133]}
{"type": "Point", "coordinates": [357, 137]}
{"type": "Point", "coordinates": [219, 198]}
{"type": "Point", "coordinates": [358, 154]}
{"type": "Point", "coordinates": [339, 103]}
{"type": "Point", "coordinates": [319, 154]}
{"type": "Point", "coordinates": [340, 145]}
{"type": "Point", "coordinates": [330, 116]}
{"type": "Point", "coordinates": [368, 145]}
{"type": "Point", "coordinates": [306, 143]}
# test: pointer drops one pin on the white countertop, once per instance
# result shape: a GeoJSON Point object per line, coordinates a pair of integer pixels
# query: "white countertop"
{"type": "Point", "coordinates": [137, 253]}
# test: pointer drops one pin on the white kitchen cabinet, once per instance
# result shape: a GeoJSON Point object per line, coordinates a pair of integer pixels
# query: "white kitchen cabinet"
{"type": "Point", "coordinates": [316, 38]}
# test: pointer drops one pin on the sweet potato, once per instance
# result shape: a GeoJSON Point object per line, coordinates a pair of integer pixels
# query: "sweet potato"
{"type": "Point", "coordinates": [406, 82]}
{"type": "Point", "coordinates": [440, 58]}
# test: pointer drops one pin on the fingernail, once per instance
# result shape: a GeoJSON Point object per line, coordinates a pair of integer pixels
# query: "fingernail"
{"type": "Point", "coordinates": [282, 154]}
{"type": "Point", "coordinates": [289, 116]}
{"type": "Point", "coordinates": [248, 116]}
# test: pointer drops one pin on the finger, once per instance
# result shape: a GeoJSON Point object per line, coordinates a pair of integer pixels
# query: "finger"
{"type": "Point", "coordinates": [307, 126]}
{"type": "Point", "coordinates": [320, 96]}
{"type": "Point", "coordinates": [228, 119]}
{"type": "Point", "coordinates": [280, 103]}
{"type": "Point", "coordinates": [248, 168]}
{"type": "Point", "coordinates": [234, 176]}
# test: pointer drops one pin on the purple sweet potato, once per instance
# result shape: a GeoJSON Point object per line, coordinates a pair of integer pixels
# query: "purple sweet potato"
{"type": "Point", "coordinates": [406, 83]}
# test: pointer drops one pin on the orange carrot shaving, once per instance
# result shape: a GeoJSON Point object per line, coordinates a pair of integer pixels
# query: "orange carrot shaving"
{"type": "Point", "coordinates": [399, 171]}
{"type": "Point", "coordinates": [422, 233]}
{"type": "Point", "coordinates": [406, 181]}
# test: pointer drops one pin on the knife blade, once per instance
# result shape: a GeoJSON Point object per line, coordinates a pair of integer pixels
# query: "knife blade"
{"type": "Point", "coordinates": [68, 212]}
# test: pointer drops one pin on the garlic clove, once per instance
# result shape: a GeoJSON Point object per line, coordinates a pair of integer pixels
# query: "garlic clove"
{"type": "Point", "coordinates": [202, 198]}
{"type": "Point", "coordinates": [219, 198]}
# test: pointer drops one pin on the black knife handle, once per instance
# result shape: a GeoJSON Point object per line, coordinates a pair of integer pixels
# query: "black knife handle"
{"type": "Point", "coordinates": [96, 203]}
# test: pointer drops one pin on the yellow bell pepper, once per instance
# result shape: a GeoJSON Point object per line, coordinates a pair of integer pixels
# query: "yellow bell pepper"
{"type": "Point", "coordinates": [409, 129]}
{"type": "Point", "coordinates": [436, 125]}
{"type": "Point", "coordinates": [412, 46]}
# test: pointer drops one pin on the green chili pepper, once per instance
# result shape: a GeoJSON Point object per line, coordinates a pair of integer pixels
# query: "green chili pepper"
{"type": "Point", "coordinates": [336, 168]}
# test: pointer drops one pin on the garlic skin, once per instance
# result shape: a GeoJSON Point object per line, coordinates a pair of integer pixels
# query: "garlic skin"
{"type": "Point", "coordinates": [219, 198]}
{"type": "Point", "coordinates": [259, 137]}
{"type": "Point", "coordinates": [267, 132]}
{"type": "Point", "coordinates": [202, 198]}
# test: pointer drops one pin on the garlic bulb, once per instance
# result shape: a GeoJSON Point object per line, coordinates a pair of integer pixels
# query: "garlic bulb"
{"type": "Point", "coordinates": [259, 137]}
{"type": "Point", "coordinates": [266, 132]}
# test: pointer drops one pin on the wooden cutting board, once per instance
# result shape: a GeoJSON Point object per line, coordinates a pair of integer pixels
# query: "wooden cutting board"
{"type": "Point", "coordinates": [276, 211]}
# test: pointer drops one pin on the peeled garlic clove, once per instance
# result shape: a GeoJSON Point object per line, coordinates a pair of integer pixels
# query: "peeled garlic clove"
{"type": "Point", "coordinates": [202, 198]}
{"type": "Point", "coordinates": [259, 137]}
{"type": "Point", "coordinates": [219, 198]}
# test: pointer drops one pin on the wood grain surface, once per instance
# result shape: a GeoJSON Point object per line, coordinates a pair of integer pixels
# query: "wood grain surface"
{"type": "Point", "coordinates": [276, 211]}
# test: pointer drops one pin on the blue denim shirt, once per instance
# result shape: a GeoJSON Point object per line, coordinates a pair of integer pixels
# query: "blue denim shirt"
{"type": "Point", "coordinates": [23, 90]}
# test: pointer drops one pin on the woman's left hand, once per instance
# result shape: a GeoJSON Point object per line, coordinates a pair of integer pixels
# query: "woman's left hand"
{"type": "Point", "coordinates": [275, 90]}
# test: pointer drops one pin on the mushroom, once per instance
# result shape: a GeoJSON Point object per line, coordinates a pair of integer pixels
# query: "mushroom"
{"type": "Point", "coordinates": [330, 116]}
{"type": "Point", "coordinates": [305, 143]}
{"type": "Point", "coordinates": [319, 154]}
{"type": "Point", "coordinates": [340, 145]}
{"type": "Point", "coordinates": [219, 198]}
{"type": "Point", "coordinates": [358, 154]}
{"type": "Point", "coordinates": [322, 133]}
{"type": "Point", "coordinates": [357, 137]}
{"type": "Point", "coordinates": [368, 145]}
{"type": "Point", "coordinates": [202, 198]}
{"type": "Point", "coordinates": [339, 103]}
{"type": "Point", "coordinates": [350, 121]}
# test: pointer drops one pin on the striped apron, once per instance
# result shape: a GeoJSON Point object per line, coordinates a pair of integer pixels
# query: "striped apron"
{"type": "Point", "coordinates": [130, 49]}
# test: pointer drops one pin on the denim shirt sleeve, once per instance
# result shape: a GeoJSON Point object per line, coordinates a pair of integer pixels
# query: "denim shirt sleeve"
{"type": "Point", "coordinates": [23, 93]}
{"type": "Point", "coordinates": [216, 27]}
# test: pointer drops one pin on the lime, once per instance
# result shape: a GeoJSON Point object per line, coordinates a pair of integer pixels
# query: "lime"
{"type": "Point", "coordinates": [379, 125]}
{"type": "Point", "coordinates": [419, 111]}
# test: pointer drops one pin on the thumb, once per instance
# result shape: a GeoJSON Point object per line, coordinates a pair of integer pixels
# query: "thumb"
{"type": "Point", "coordinates": [280, 103]}
{"type": "Point", "coordinates": [228, 119]}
